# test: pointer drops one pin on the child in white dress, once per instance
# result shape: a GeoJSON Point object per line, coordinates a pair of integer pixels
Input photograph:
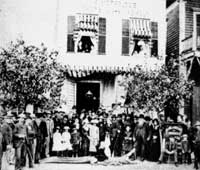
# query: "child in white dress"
{"type": "Point", "coordinates": [57, 142]}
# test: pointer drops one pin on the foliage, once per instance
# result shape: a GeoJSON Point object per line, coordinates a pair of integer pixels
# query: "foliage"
{"type": "Point", "coordinates": [154, 90]}
{"type": "Point", "coordinates": [27, 74]}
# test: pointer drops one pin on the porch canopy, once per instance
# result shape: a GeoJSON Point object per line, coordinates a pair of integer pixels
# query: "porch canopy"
{"type": "Point", "coordinates": [82, 65]}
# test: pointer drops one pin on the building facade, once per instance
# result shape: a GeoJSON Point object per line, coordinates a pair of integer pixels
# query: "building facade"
{"type": "Point", "coordinates": [183, 41]}
{"type": "Point", "coordinates": [99, 41]}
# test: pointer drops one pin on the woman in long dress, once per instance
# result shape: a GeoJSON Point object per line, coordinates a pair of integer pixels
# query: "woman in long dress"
{"type": "Point", "coordinates": [94, 137]}
{"type": "Point", "coordinates": [66, 138]}
{"type": "Point", "coordinates": [85, 140]}
{"type": "Point", "coordinates": [155, 141]}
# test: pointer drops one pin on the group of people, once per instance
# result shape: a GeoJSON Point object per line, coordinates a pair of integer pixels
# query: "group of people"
{"type": "Point", "coordinates": [100, 134]}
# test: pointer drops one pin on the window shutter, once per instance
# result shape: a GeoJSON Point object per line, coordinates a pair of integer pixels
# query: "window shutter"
{"type": "Point", "coordinates": [154, 31]}
{"type": "Point", "coordinates": [125, 37]}
{"type": "Point", "coordinates": [102, 36]}
{"type": "Point", "coordinates": [198, 30]}
{"type": "Point", "coordinates": [70, 32]}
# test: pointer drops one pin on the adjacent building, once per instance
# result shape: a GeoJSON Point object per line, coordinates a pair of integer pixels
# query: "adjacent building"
{"type": "Point", "coordinates": [183, 42]}
{"type": "Point", "coordinates": [99, 41]}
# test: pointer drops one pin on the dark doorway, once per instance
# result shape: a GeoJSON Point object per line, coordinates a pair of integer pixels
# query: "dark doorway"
{"type": "Point", "coordinates": [88, 96]}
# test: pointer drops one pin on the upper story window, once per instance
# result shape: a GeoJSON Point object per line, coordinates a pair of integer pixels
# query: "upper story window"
{"type": "Point", "coordinates": [154, 39]}
{"type": "Point", "coordinates": [198, 30]}
{"type": "Point", "coordinates": [86, 34]}
{"type": "Point", "coordinates": [125, 36]}
{"type": "Point", "coordinates": [139, 35]}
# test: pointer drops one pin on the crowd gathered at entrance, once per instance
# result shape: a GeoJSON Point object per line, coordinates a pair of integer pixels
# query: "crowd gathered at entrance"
{"type": "Point", "coordinates": [100, 134]}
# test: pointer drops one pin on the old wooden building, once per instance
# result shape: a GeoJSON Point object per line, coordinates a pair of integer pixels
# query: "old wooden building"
{"type": "Point", "coordinates": [183, 41]}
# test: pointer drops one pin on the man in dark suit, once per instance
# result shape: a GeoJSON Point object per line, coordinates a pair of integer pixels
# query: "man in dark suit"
{"type": "Point", "coordinates": [140, 137]}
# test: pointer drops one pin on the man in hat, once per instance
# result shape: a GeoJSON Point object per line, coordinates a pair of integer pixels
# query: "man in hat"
{"type": "Point", "coordinates": [41, 135]}
{"type": "Point", "coordinates": [197, 145]}
{"type": "Point", "coordinates": [50, 128]}
{"type": "Point", "coordinates": [149, 129]}
{"type": "Point", "coordinates": [19, 141]}
{"type": "Point", "coordinates": [31, 133]}
{"type": "Point", "coordinates": [7, 131]}
{"type": "Point", "coordinates": [3, 145]}
{"type": "Point", "coordinates": [140, 137]}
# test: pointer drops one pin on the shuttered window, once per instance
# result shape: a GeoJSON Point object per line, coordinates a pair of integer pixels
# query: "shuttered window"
{"type": "Point", "coordinates": [198, 30]}
{"type": "Point", "coordinates": [125, 36]}
{"type": "Point", "coordinates": [102, 36]}
{"type": "Point", "coordinates": [154, 31]}
{"type": "Point", "coordinates": [70, 32]}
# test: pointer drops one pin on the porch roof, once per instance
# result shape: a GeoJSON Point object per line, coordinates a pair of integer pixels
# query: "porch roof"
{"type": "Point", "coordinates": [83, 71]}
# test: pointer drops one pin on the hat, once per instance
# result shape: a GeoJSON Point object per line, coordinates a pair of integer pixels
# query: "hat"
{"type": "Point", "coordinates": [95, 121]}
{"type": "Point", "coordinates": [141, 116]}
{"type": "Point", "coordinates": [147, 118]}
{"type": "Point", "coordinates": [9, 115]}
{"type": "Point", "coordinates": [38, 114]}
{"type": "Point", "coordinates": [185, 136]}
{"type": "Point", "coordinates": [66, 127]}
{"type": "Point", "coordinates": [27, 114]}
{"type": "Point", "coordinates": [161, 114]}
{"type": "Point", "coordinates": [21, 116]}
{"type": "Point", "coordinates": [197, 123]}
{"type": "Point", "coordinates": [32, 115]}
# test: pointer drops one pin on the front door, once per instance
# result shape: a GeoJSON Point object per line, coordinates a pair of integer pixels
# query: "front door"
{"type": "Point", "coordinates": [88, 96]}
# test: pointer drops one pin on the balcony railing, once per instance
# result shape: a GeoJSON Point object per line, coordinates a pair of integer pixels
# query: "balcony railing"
{"type": "Point", "coordinates": [198, 43]}
{"type": "Point", "coordinates": [190, 43]}
{"type": "Point", "coordinates": [187, 44]}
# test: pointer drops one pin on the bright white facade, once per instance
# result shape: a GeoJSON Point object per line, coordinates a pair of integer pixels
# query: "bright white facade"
{"type": "Point", "coordinates": [46, 21]}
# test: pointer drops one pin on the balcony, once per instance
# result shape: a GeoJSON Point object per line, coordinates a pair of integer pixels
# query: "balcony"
{"type": "Point", "coordinates": [190, 47]}
{"type": "Point", "coordinates": [88, 60]}
{"type": "Point", "coordinates": [187, 44]}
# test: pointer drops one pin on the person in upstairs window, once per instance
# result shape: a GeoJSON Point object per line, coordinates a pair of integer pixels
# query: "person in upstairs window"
{"type": "Point", "coordinates": [85, 44]}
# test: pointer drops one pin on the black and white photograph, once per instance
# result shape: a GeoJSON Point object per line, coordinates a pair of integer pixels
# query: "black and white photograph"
{"type": "Point", "coordinates": [99, 84]}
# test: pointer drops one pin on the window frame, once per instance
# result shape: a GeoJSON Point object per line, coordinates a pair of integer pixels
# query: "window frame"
{"type": "Point", "coordinates": [125, 37]}
{"type": "Point", "coordinates": [154, 38]}
{"type": "Point", "coordinates": [102, 35]}
{"type": "Point", "coordinates": [70, 34]}
{"type": "Point", "coordinates": [195, 13]}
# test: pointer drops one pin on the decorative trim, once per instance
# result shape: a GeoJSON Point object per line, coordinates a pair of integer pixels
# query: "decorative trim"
{"type": "Point", "coordinates": [195, 9]}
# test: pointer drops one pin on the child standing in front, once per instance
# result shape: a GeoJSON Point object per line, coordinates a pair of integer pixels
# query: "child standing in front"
{"type": "Point", "coordinates": [57, 142]}
{"type": "Point", "coordinates": [75, 140]}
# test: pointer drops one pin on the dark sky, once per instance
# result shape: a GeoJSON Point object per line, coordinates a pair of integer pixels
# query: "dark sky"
{"type": "Point", "coordinates": [169, 2]}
